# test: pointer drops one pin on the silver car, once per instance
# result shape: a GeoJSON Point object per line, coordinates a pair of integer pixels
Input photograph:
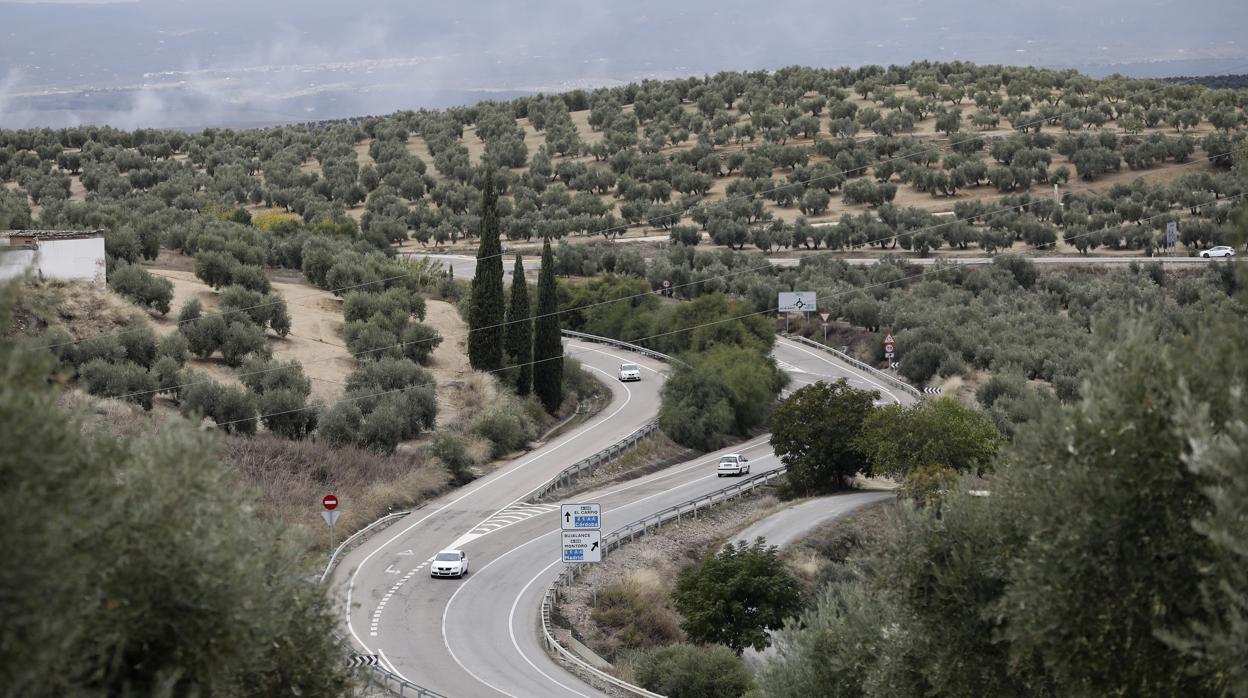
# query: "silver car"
{"type": "Point", "coordinates": [1219, 251]}
{"type": "Point", "coordinates": [630, 372]}
{"type": "Point", "coordinates": [449, 563]}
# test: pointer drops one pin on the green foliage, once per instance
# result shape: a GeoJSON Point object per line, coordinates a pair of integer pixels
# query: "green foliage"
{"type": "Point", "coordinates": [419, 341]}
{"type": "Point", "coordinates": [814, 431]}
{"type": "Point", "coordinates": [506, 430]}
{"type": "Point", "coordinates": [137, 284]}
{"type": "Point", "coordinates": [735, 596]}
{"type": "Point", "coordinates": [943, 433]}
{"type": "Point", "coordinates": [262, 375]}
{"type": "Point", "coordinates": [102, 503]}
{"type": "Point", "coordinates": [485, 314]}
{"type": "Point", "coordinates": [547, 340]}
{"type": "Point", "coordinates": [285, 412]}
{"type": "Point", "coordinates": [387, 401]}
{"type": "Point", "coordinates": [693, 671]}
{"type": "Point", "coordinates": [518, 334]}
{"type": "Point", "coordinates": [119, 379]}
{"type": "Point", "coordinates": [453, 452]}
{"type": "Point", "coordinates": [1107, 560]}
{"type": "Point", "coordinates": [205, 335]}
{"type": "Point", "coordinates": [639, 617]}
{"type": "Point", "coordinates": [241, 339]}
{"type": "Point", "coordinates": [726, 390]}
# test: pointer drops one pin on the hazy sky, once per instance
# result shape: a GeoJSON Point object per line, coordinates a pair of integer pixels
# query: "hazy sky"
{"type": "Point", "coordinates": [194, 62]}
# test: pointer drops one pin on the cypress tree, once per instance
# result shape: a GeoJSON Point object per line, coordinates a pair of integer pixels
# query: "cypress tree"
{"type": "Point", "coordinates": [547, 345]}
{"type": "Point", "coordinates": [518, 335]}
{"type": "Point", "coordinates": [485, 314]}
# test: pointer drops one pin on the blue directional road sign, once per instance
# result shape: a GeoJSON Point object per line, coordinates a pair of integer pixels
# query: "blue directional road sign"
{"type": "Point", "coordinates": [580, 517]}
{"type": "Point", "coordinates": [582, 546]}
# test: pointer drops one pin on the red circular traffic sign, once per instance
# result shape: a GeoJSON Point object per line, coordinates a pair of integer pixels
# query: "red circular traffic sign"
{"type": "Point", "coordinates": [667, 284]}
{"type": "Point", "coordinates": [888, 347]}
{"type": "Point", "coordinates": [329, 502]}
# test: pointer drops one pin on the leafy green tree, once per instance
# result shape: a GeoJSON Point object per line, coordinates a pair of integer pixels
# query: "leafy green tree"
{"type": "Point", "coordinates": [485, 314]}
{"type": "Point", "coordinates": [696, 409]}
{"type": "Point", "coordinates": [694, 671]}
{"type": "Point", "coordinates": [547, 339]}
{"type": "Point", "coordinates": [896, 440]}
{"type": "Point", "coordinates": [813, 431]}
{"type": "Point", "coordinates": [419, 341]}
{"type": "Point", "coordinates": [127, 610]}
{"type": "Point", "coordinates": [735, 596]}
{"type": "Point", "coordinates": [518, 337]}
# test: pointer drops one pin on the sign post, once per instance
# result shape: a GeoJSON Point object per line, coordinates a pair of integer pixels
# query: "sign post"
{"type": "Point", "coordinates": [823, 320]}
{"type": "Point", "coordinates": [1172, 236]}
{"type": "Point", "coordinates": [581, 529]}
{"type": "Point", "coordinates": [667, 288]}
{"type": "Point", "coordinates": [331, 513]}
{"type": "Point", "coordinates": [890, 349]}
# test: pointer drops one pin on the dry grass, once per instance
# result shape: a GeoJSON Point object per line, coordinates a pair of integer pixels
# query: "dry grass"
{"type": "Point", "coordinates": [79, 308]}
{"type": "Point", "coordinates": [647, 570]}
{"type": "Point", "coordinates": [290, 477]}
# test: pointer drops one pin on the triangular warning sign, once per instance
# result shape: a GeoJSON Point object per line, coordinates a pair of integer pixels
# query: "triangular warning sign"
{"type": "Point", "coordinates": [888, 339]}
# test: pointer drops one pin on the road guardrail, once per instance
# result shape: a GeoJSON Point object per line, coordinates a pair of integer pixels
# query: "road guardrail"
{"type": "Point", "coordinates": [895, 382]}
{"type": "Point", "coordinates": [627, 346]}
{"type": "Point", "coordinates": [621, 536]}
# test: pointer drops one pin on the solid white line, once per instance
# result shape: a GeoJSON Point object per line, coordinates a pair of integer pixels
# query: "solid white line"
{"type": "Point", "coordinates": [439, 510]}
{"type": "Point", "coordinates": [843, 368]}
{"type": "Point", "coordinates": [459, 542]}
{"type": "Point", "coordinates": [511, 630]}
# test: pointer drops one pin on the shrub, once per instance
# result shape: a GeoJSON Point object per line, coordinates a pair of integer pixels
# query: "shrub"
{"type": "Point", "coordinates": [453, 452]}
{"type": "Point", "coordinates": [506, 430]}
{"type": "Point", "coordinates": [250, 277]}
{"type": "Point", "coordinates": [921, 363]}
{"type": "Point", "coordinates": [200, 395]}
{"type": "Point", "coordinates": [105, 347]}
{"type": "Point", "coordinates": [383, 428]}
{"type": "Point", "coordinates": [240, 340]}
{"type": "Point", "coordinates": [241, 304]}
{"type": "Point", "coordinates": [205, 335]}
{"type": "Point", "coordinates": [691, 671]}
{"type": "Point", "coordinates": [925, 484]}
{"type": "Point", "coordinates": [262, 375]}
{"type": "Point", "coordinates": [735, 596]}
{"type": "Point", "coordinates": [118, 379]}
{"type": "Point", "coordinates": [369, 340]}
{"type": "Point", "coordinates": [166, 372]}
{"type": "Point", "coordinates": [140, 346]}
{"type": "Point", "coordinates": [191, 311]}
{"type": "Point", "coordinates": [640, 618]}
{"type": "Point", "coordinates": [286, 413]}
{"type": "Point", "coordinates": [173, 346]}
{"type": "Point", "coordinates": [214, 268]}
{"type": "Point", "coordinates": [419, 341]}
{"type": "Point", "coordinates": [340, 425]}
{"type": "Point", "coordinates": [135, 283]}
{"type": "Point", "coordinates": [387, 374]}
{"type": "Point", "coordinates": [235, 411]}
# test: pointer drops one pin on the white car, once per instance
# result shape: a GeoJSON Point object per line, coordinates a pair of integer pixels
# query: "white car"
{"type": "Point", "coordinates": [733, 464]}
{"type": "Point", "coordinates": [449, 563]}
{"type": "Point", "coordinates": [630, 372]}
{"type": "Point", "coordinates": [1219, 251]}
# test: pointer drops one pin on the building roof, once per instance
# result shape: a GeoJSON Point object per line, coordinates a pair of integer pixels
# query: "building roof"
{"type": "Point", "coordinates": [51, 234]}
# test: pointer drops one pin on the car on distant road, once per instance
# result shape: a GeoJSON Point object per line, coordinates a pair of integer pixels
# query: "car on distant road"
{"type": "Point", "coordinates": [1219, 251]}
{"type": "Point", "coordinates": [449, 563]}
{"type": "Point", "coordinates": [733, 464]}
{"type": "Point", "coordinates": [630, 372]}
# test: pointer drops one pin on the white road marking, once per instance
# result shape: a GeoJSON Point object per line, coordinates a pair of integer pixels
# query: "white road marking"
{"type": "Point", "coordinates": [826, 360]}
{"type": "Point", "coordinates": [444, 507]}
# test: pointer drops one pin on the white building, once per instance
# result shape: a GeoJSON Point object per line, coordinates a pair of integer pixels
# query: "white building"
{"type": "Point", "coordinates": [72, 255]}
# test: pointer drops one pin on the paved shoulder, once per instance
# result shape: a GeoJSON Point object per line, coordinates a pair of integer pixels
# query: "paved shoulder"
{"type": "Point", "coordinates": [788, 525]}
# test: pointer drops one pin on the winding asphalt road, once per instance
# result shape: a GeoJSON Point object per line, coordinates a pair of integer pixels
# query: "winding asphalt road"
{"type": "Point", "coordinates": [479, 636]}
{"type": "Point", "coordinates": [465, 266]}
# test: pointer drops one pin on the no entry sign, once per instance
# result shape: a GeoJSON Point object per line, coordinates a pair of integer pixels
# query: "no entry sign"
{"type": "Point", "coordinates": [330, 502]}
